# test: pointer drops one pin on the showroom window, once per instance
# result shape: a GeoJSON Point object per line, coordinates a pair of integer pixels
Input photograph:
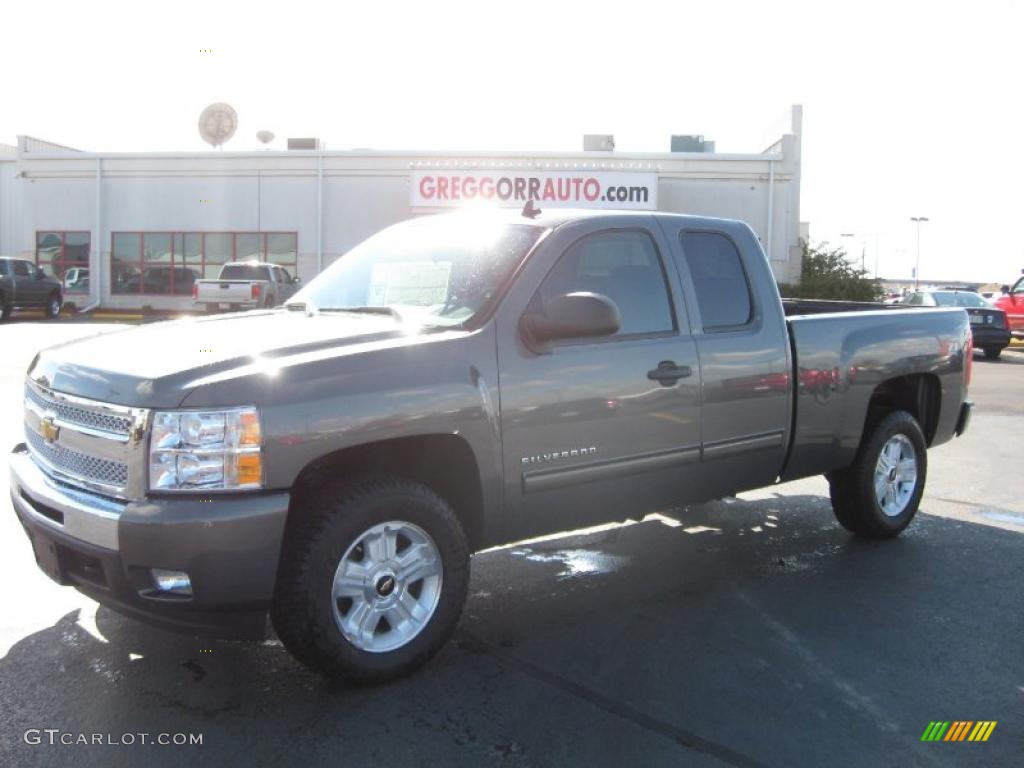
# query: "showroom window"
{"type": "Point", "coordinates": [167, 263]}
{"type": "Point", "coordinates": [64, 255]}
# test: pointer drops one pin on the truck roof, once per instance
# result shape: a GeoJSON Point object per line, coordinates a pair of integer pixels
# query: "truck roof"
{"type": "Point", "coordinates": [555, 217]}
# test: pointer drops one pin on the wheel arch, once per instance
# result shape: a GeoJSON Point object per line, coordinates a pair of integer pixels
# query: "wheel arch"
{"type": "Point", "coordinates": [445, 463]}
{"type": "Point", "coordinates": [919, 394]}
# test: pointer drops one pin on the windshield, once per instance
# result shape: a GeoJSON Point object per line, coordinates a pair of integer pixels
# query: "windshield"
{"type": "Point", "coordinates": [436, 270]}
{"type": "Point", "coordinates": [959, 299]}
{"type": "Point", "coordinates": [243, 272]}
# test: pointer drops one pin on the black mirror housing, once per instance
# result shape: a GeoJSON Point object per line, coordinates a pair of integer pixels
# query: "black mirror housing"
{"type": "Point", "coordinates": [572, 316]}
{"type": "Point", "coordinates": [1004, 288]}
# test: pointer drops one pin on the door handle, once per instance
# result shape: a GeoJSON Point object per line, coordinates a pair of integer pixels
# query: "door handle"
{"type": "Point", "coordinates": [668, 373]}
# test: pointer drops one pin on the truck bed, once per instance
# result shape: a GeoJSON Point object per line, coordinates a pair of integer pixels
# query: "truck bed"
{"type": "Point", "coordinates": [843, 351]}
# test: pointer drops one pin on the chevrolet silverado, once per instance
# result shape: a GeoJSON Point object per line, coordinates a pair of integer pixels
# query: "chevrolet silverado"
{"type": "Point", "coordinates": [452, 383]}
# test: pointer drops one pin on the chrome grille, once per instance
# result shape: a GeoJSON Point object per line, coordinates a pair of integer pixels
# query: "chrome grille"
{"type": "Point", "coordinates": [106, 471]}
{"type": "Point", "coordinates": [82, 417]}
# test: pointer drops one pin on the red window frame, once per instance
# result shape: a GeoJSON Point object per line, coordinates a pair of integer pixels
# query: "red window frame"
{"type": "Point", "coordinates": [177, 259]}
{"type": "Point", "coordinates": [62, 261]}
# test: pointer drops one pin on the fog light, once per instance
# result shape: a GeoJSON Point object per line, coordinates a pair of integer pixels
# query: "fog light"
{"type": "Point", "coordinates": [176, 582]}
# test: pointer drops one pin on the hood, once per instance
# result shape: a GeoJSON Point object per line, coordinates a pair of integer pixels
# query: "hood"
{"type": "Point", "coordinates": [156, 365]}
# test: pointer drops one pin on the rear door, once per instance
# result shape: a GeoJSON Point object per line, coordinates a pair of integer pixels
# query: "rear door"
{"type": "Point", "coordinates": [589, 432]}
{"type": "Point", "coordinates": [743, 347]}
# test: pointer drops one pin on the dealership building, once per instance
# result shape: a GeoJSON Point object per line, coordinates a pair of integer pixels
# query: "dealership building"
{"type": "Point", "coordinates": [131, 230]}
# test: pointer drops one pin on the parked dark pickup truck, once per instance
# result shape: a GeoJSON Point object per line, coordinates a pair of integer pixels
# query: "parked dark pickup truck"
{"type": "Point", "coordinates": [23, 285]}
{"type": "Point", "coordinates": [453, 383]}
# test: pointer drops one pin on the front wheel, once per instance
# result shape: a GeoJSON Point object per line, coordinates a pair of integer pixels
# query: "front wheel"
{"type": "Point", "coordinates": [878, 495]}
{"type": "Point", "coordinates": [53, 305]}
{"type": "Point", "coordinates": [372, 580]}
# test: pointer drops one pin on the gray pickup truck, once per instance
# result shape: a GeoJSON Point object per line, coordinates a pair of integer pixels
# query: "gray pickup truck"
{"type": "Point", "coordinates": [245, 285]}
{"type": "Point", "coordinates": [453, 383]}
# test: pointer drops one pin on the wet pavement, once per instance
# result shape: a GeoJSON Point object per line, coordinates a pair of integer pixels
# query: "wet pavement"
{"type": "Point", "coordinates": [745, 632]}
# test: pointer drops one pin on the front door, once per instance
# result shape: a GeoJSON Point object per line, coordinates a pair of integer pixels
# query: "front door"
{"type": "Point", "coordinates": [28, 291]}
{"type": "Point", "coordinates": [592, 430]}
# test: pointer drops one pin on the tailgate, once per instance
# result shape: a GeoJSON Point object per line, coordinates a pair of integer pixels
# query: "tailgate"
{"type": "Point", "coordinates": [226, 291]}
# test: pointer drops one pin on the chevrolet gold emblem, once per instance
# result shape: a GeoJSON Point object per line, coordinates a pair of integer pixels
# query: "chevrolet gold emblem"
{"type": "Point", "coordinates": [48, 429]}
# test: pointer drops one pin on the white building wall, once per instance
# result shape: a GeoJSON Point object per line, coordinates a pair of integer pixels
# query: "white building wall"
{"type": "Point", "coordinates": [362, 192]}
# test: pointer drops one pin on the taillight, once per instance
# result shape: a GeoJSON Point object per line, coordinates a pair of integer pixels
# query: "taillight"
{"type": "Point", "coordinates": [256, 290]}
{"type": "Point", "coordinates": [1006, 321]}
{"type": "Point", "coordinates": [195, 291]}
{"type": "Point", "coordinates": [969, 364]}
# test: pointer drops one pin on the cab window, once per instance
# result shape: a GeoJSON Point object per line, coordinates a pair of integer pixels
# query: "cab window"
{"type": "Point", "coordinates": [723, 292]}
{"type": "Point", "coordinates": [625, 267]}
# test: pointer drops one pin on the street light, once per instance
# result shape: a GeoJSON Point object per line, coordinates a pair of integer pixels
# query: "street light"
{"type": "Point", "coordinates": [917, 268]}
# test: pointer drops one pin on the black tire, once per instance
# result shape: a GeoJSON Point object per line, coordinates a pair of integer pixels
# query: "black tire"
{"type": "Point", "coordinates": [330, 520]}
{"type": "Point", "coordinates": [54, 302]}
{"type": "Point", "coordinates": [5, 309]}
{"type": "Point", "coordinates": [993, 353]}
{"type": "Point", "coordinates": [852, 490]}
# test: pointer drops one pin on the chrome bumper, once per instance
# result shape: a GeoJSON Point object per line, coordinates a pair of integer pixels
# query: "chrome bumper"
{"type": "Point", "coordinates": [83, 516]}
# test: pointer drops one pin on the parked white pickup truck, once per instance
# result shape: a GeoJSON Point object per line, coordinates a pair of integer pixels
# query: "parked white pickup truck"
{"type": "Point", "coordinates": [245, 285]}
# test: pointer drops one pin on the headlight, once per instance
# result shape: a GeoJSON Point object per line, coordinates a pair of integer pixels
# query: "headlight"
{"type": "Point", "coordinates": [206, 450]}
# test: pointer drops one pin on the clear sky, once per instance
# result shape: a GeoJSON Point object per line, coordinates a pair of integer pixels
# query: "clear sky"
{"type": "Point", "coordinates": [910, 108]}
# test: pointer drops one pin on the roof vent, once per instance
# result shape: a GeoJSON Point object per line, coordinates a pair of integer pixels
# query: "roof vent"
{"type": "Point", "coordinates": [304, 144]}
{"type": "Point", "coordinates": [598, 142]}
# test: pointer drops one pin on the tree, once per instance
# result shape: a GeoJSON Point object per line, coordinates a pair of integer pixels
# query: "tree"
{"type": "Point", "coordinates": [826, 273]}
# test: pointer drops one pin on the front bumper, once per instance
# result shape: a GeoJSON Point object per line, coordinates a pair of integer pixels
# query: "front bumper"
{"type": "Point", "coordinates": [229, 544]}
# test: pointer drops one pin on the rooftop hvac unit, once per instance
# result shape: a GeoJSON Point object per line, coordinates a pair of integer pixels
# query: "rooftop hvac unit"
{"type": "Point", "coordinates": [303, 143]}
{"type": "Point", "coordinates": [598, 142]}
{"type": "Point", "coordinates": [690, 143]}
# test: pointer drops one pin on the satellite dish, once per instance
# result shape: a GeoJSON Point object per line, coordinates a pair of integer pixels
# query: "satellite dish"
{"type": "Point", "coordinates": [218, 123]}
{"type": "Point", "coordinates": [265, 137]}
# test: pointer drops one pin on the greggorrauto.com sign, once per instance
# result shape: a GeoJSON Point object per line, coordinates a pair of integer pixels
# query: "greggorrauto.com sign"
{"type": "Point", "coordinates": [554, 189]}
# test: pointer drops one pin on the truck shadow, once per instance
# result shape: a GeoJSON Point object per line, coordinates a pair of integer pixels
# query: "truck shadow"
{"type": "Point", "coordinates": [649, 638]}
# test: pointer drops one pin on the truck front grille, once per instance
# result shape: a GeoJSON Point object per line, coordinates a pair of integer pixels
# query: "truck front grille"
{"type": "Point", "coordinates": [86, 444]}
{"type": "Point", "coordinates": [77, 416]}
{"type": "Point", "coordinates": [77, 464]}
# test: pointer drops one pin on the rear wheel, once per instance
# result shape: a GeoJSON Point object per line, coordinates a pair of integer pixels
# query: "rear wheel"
{"type": "Point", "coordinates": [993, 353]}
{"type": "Point", "coordinates": [878, 495]}
{"type": "Point", "coordinates": [53, 305]}
{"type": "Point", "coordinates": [372, 581]}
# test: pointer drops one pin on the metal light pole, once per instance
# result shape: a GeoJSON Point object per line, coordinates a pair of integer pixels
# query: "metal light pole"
{"type": "Point", "coordinates": [917, 268]}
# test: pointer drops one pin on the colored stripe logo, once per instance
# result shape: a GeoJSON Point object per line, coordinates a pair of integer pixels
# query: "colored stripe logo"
{"type": "Point", "coordinates": [958, 730]}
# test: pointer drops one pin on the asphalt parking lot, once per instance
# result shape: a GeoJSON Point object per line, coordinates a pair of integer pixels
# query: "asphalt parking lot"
{"type": "Point", "coordinates": [746, 632]}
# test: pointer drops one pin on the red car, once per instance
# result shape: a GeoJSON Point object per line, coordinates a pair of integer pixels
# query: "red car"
{"type": "Point", "coordinates": [1012, 303]}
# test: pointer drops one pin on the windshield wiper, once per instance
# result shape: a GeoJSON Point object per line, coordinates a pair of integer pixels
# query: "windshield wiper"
{"type": "Point", "coordinates": [366, 311]}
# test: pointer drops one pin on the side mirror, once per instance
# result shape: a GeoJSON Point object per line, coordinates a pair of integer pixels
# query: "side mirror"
{"type": "Point", "coordinates": [1004, 289]}
{"type": "Point", "coordinates": [573, 316]}
{"type": "Point", "coordinates": [39, 273]}
{"type": "Point", "coordinates": [296, 280]}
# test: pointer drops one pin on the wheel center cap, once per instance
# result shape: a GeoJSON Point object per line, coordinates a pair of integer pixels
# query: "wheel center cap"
{"type": "Point", "coordinates": [892, 475]}
{"type": "Point", "coordinates": [385, 585]}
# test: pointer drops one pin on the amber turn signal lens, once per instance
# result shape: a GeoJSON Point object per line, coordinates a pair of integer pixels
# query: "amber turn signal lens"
{"type": "Point", "coordinates": [249, 428]}
{"type": "Point", "coordinates": [250, 469]}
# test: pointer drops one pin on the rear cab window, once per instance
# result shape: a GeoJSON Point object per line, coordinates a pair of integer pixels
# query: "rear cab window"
{"type": "Point", "coordinates": [713, 262]}
{"type": "Point", "coordinates": [243, 272]}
